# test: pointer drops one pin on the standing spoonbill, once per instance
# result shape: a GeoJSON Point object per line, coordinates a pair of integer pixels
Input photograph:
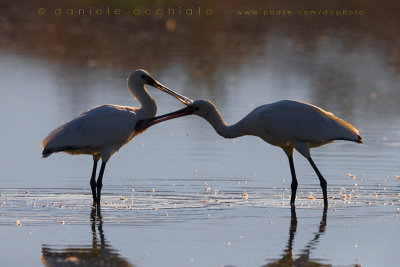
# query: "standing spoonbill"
{"type": "Point", "coordinates": [103, 130]}
{"type": "Point", "coordinates": [287, 124]}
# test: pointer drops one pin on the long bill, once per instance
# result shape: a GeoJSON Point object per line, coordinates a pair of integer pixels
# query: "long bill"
{"type": "Point", "coordinates": [182, 98]}
{"type": "Point", "coordinates": [146, 123]}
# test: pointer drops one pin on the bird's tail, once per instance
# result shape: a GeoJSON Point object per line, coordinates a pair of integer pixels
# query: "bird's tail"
{"type": "Point", "coordinates": [47, 152]}
{"type": "Point", "coordinates": [358, 140]}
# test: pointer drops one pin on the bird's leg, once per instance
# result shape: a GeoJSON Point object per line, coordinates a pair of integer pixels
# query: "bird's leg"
{"type": "Point", "coordinates": [294, 180]}
{"type": "Point", "coordinates": [93, 180]}
{"type": "Point", "coordinates": [100, 182]}
{"type": "Point", "coordinates": [322, 181]}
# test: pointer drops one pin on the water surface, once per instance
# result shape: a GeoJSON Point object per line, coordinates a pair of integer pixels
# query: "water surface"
{"type": "Point", "coordinates": [180, 195]}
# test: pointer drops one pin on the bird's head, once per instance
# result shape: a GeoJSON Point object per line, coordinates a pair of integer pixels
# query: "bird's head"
{"type": "Point", "coordinates": [140, 77]}
{"type": "Point", "coordinates": [202, 108]}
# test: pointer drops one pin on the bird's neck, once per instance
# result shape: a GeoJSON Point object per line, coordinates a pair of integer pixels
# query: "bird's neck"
{"type": "Point", "coordinates": [148, 104]}
{"type": "Point", "coordinates": [220, 126]}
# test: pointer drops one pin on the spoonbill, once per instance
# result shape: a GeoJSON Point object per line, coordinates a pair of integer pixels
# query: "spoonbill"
{"type": "Point", "coordinates": [103, 130]}
{"type": "Point", "coordinates": [287, 124]}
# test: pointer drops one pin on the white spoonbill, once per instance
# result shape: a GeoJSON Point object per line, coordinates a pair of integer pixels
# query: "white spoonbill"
{"type": "Point", "coordinates": [287, 124]}
{"type": "Point", "coordinates": [103, 130]}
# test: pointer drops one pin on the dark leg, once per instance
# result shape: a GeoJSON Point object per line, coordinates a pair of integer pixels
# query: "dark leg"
{"type": "Point", "coordinates": [93, 180]}
{"type": "Point", "coordinates": [322, 181]}
{"type": "Point", "coordinates": [294, 181]}
{"type": "Point", "coordinates": [100, 182]}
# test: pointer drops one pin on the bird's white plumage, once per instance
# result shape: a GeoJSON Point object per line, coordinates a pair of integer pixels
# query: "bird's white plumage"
{"type": "Point", "coordinates": [289, 120]}
{"type": "Point", "coordinates": [102, 126]}
{"type": "Point", "coordinates": [102, 130]}
{"type": "Point", "coordinates": [288, 124]}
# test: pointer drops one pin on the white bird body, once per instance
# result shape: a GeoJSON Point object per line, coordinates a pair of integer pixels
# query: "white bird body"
{"type": "Point", "coordinates": [103, 130]}
{"type": "Point", "coordinates": [100, 131]}
{"type": "Point", "coordinates": [290, 123]}
{"type": "Point", "coordinates": [287, 124]}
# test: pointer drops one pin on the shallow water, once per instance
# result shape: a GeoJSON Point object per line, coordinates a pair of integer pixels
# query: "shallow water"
{"type": "Point", "coordinates": [180, 195]}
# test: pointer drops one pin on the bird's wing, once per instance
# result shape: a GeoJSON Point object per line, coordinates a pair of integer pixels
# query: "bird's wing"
{"type": "Point", "coordinates": [105, 125]}
{"type": "Point", "coordinates": [297, 121]}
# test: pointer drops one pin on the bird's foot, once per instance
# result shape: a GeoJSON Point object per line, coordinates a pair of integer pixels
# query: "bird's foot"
{"type": "Point", "coordinates": [96, 203]}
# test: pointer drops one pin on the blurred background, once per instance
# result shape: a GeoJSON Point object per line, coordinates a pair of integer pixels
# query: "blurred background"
{"type": "Point", "coordinates": [343, 56]}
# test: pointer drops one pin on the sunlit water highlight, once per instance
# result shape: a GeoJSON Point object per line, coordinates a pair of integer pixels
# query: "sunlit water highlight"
{"type": "Point", "coordinates": [144, 204]}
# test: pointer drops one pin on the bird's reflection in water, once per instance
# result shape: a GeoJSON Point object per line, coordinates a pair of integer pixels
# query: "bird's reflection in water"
{"type": "Point", "coordinates": [304, 257]}
{"type": "Point", "coordinates": [99, 253]}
